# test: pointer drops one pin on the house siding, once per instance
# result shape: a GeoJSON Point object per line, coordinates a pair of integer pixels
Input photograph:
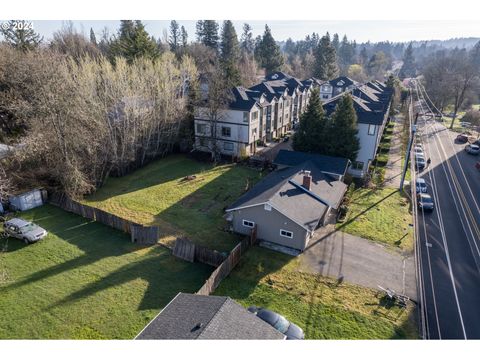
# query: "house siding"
{"type": "Point", "coordinates": [269, 224]}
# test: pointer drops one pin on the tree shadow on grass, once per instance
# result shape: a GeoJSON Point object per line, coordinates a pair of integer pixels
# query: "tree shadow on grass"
{"type": "Point", "coordinates": [155, 173]}
{"type": "Point", "coordinates": [95, 240]}
{"type": "Point", "coordinates": [166, 276]}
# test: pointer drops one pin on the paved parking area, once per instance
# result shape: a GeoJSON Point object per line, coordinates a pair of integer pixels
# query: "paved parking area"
{"type": "Point", "coordinates": [359, 261]}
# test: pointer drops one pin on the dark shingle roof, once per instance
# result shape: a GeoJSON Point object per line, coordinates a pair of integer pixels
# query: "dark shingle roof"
{"type": "Point", "coordinates": [328, 164]}
{"type": "Point", "coordinates": [280, 189]}
{"type": "Point", "coordinates": [345, 81]}
{"type": "Point", "coordinates": [242, 99]}
{"type": "Point", "coordinates": [190, 316]}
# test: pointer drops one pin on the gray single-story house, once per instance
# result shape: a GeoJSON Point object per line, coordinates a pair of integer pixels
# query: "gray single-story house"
{"type": "Point", "coordinates": [288, 205]}
{"type": "Point", "coordinates": [191, 317]}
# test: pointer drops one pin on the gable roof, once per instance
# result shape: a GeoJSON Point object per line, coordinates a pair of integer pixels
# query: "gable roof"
{"type": "Point", "coordinates": [191, 316]}
{"type": "Point", "coordinates": [324, 163]}
{"type": "Point", "coordinates": [342, 81]}
{"type": "Point", "coordinates": [282, 189]}
{"type": "Point", "coordinates": [242, 99]}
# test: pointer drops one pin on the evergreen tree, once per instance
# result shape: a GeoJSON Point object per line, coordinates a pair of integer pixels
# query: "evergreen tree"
{"type": "Point", "coordinates": [268, 53]}
{"type": "Point", "coordinates": [363, 56]}
{"type": "Point", "coordinates": [22, 39]}
{"type": "Point", "coordinates": [93, 38]}
{"type": "Point", "coordinates": [230, 54]}
{"type": "Point", "coordinates": [310, 134]}
{"type": "Point", "coordinates": [174, 38]}
{"type": "Point", "coordinates": [184, 36]}
{"type": "Point", "coordinates": [133, 41]}
{"type": "Point", "coordinates": [247, 43]}
{"type": "Point", "coordinates": [325, 67]}
{"type": "Point", "coordinates": [408, 67]}
{"type": "Point", "coordinates": [346, 53]}
{"type": "Point", "coordinates": [207, 33]}
{"type": "Point", "coordinates": [343, 130]}
{"type": "Point", "coordinates": [336, 42]}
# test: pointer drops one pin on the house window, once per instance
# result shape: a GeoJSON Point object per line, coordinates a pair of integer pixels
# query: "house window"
{"type": "Point", "coordinates": [201, 128]}
{"type": "Point", "coordinates": [357, 165]}
{"type": "Point", "coordinates": [246, 116]}
{"type": "Point", "coordinates": [267, 207]}
{"type": "Point", "coordinates": [249, 224]}
{"type": "Point", "coordinates": [226, 131]}
{"type": "Point", "coordinates": [201, 141]}
{"type": "Point", "coordinates": [324, 96]}
{"type": "Point", "coordinates": [287, 234]}
{"type": "Point", "coordinates": [254, 115]}
{"type": "Point", "coordinates": [371, 129]}
{"type": "Point", "coordinates": [228, 146]}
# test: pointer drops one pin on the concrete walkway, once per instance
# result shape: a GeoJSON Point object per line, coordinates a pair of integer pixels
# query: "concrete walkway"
{"type": "Point", "coordinates": [359, 261]}
{"type": "Point", "coordinates": [393, 172]}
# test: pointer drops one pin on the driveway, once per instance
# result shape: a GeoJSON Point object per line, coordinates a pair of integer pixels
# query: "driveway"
{"type": "Point", "coordinates": [359, 261]}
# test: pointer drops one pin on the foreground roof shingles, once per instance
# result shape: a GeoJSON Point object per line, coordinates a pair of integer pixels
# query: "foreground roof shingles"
{"type": "Point", "coordinates": [190, 317]}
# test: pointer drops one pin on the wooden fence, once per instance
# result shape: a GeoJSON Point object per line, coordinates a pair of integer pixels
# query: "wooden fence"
{"type": "Point", "coordinates": [222, 271]}
{"type": "Point", "coordinates": [139, 233]}
{"type": "Point", "coordinates": [187, 250]}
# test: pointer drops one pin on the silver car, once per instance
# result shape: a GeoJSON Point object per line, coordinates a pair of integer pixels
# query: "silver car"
{"type": "Point", "coordinates": [472, 149]}
{"type": "Point", "coordinates": [24, 230]}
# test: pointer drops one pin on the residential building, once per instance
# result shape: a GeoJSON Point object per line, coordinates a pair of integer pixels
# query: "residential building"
{"type": "Point", "coordinates": [372, 105]}
{"type": "Point", "coordinates": [260, 114]}
{"type": "Point", "coordinates": [290, 203]}
{"type": "Point", "coordinates": [332, 88]}
{"type": "Point", "coordinates": [192, 317]}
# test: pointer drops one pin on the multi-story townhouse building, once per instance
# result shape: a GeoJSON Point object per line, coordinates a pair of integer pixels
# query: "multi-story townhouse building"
{"type": "Point", "coordinates": [332, 88]}
{"type": "Point", "coordinates": [261, 114]}
{"type": "Point", "coordinates": [372, 105]}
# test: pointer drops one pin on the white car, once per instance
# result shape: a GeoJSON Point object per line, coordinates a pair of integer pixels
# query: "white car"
{"type": "Point", "coordinates": [421, 185]}
{"type": "Point", "coordinates": [417, 150]}
{"type": "Point", "coordinates": [24, 230]}
{"type": "Point", "coordinates": [420, 162]}
{"type": "Point", "coordinates": [472, 149]}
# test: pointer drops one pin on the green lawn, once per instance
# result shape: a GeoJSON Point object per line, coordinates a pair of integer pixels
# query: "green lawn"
{"type": "Point", "coordinates": [157, 194]}
{"type": "Point", "coordinates": [85, 281]}
{"type": "Point", "coordinates": [380, 215]}
{"type": "Point", "coordinates": [323, 309]}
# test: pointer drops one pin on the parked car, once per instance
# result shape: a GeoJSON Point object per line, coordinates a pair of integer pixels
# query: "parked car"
{"type": "Point", "coordinates": [24, 230]}
{"type": "Point", "coordinates": [462, 138]}
{"type": "Point", "coordinates": [417, 150]}
{"type": "Point", "coordinates": [465, 124]}
{"type": "Point", "coordinates": [420, 162]}
{"type": "Point", "coordinates": [472, 149]}
{"type": "Point", "coordinates": [421, 185]}
{"type": "Point", "coordinates": [292, 331]}
{"type": "Point", "coordinates": [476, 142]}
{"type": "Point", "coordinates": [425, 202]}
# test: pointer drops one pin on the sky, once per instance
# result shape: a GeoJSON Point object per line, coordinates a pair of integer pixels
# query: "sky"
{"type": "Point", "coordinates": [359, 30]}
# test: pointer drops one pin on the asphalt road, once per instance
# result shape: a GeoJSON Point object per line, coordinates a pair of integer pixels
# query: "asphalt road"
{"type": "Point", "coordinates": [449, 236]}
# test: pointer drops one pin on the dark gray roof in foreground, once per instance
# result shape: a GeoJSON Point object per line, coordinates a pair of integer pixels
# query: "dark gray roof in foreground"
{"type": "Point", "coordinates": [220, 318]}
{"type": "Point", "coordinates": [328, 164]}
{"type": "Point", "coordinates": [280, 189]}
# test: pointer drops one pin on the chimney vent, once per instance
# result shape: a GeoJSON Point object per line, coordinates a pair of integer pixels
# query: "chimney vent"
{"type": "Point", "coordinates": [307, 180]}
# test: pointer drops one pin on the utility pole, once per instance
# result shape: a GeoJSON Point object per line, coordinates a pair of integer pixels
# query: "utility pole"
{"type": "Point", "coordinates": [409, 148]}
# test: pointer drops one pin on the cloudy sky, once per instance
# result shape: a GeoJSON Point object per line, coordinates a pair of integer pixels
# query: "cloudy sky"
{"type": "Point", "coordinates": [359, 30]}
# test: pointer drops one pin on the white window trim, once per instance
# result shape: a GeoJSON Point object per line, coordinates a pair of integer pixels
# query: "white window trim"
{"type": "Point", "coordinates": [248, 221]}
{"type": "Point", "coordinates": [286, 231]}
{"type": "Point", "coordinates": [374, 129]}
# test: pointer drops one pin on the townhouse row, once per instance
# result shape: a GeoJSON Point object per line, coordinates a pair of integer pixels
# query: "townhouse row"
{"type": "Point", "coordinates": [268, 110]}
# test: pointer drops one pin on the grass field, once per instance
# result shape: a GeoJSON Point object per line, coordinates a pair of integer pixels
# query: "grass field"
{"type": "Point", "coordinates": [380, 215]}
{"type": "Point", "coordinates": [157, 194]}
{"type": "Point", "coordinates": [85, 281]}
{"type": "Point", "coordinates": [322, 308]}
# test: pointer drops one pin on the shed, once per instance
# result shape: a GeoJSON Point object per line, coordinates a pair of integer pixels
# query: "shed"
{"type": "Point", "coordinates": [27, 200]}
